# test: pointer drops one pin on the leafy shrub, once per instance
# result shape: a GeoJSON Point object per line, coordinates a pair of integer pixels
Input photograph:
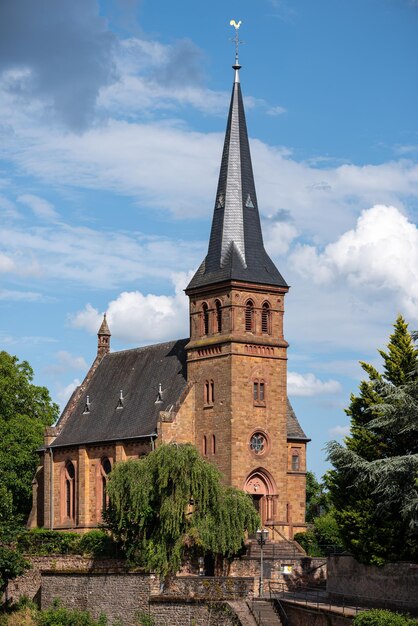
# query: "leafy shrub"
{"type": "Point", "coordinates": [60, 616]}
{"type": "Point", "coordinates": [12, 564]}
{"type": "Point", "coordinates": [144, 619]}
{"type": "Point", "coordinates": [42, 542]}
{"type": "Point", "coordinates": [97, 543]}
{"type": "Point", "coordinates": [379, 617]}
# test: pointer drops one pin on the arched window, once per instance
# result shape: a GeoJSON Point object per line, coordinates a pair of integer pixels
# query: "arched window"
{"type": "Point", "coordinates": [70, 491]}
{"type": "Point", "coordinates": [295, 460]}
{"type": "Point", "coordinates": [204, 446]}
{"type": "Point", "coordinates": [209, 392]}
{"type": "Point", "coordinates": [213, 444]}
{"type": "Point", "coordinates": [259, 392]}
{"type": "Point", "coordinates": [266, 318]}
{"type": "Point", "coordinates": [205, 311]}
{"type": "Point", "coordinates": [249, 316]}
{"type": "Point", "coordinates": [105, 469]}
{"type": "Point", "coordinates": [218, 307]}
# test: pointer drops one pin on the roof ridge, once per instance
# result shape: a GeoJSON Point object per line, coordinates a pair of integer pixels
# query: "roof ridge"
{"type": "Point", "coordinates": [148, 347]}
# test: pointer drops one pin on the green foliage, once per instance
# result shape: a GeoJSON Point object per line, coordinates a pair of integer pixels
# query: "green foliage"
{"type": "Point", "coordinates": [97, 543]}
{"type": "Point", "coordinates": [144, 619]}
{"type": "Point", "coordinates": [172, 502]}
{"type": "Point", "coordinates": [25, 410]}
{"type": "Point", "coordinates": [317, 497]}
{"type": "Point", "coordinates": [380, 617]}
{"type": "Point", "coordinates": [322, 537]}
{"type": "Point", "coordinates": [374, 483]}
{"type": "Point", "coordinates": [61, 616]}
{"type": "Point", "coordinates": [43, 542]}
{"type": "Point", "coordinates": [12, 564]}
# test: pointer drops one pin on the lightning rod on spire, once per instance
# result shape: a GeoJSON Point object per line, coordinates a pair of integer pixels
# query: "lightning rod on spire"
{"type": "Point", "coordinates": [236, 40]}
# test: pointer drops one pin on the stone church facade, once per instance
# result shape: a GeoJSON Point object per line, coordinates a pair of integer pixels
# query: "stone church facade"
{"type": "Point", "coordinates": [223, 389]}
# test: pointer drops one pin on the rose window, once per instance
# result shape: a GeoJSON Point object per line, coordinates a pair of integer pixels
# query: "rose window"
{"type": "Point", "coordinates": [258, 443]}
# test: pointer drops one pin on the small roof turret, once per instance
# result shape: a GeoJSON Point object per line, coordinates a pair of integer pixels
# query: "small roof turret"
{"type": "Point", "coordinates": [103, 335]}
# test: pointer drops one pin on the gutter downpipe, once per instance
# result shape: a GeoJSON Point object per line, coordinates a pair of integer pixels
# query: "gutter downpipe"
{"type": "Point", "coordinates": [51, 490]}
{"type": "Point", "coordinates": [152, 443]}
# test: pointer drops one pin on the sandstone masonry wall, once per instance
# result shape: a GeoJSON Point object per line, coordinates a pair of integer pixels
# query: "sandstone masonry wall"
{"type": "Point", "coordinates": [393, 584]}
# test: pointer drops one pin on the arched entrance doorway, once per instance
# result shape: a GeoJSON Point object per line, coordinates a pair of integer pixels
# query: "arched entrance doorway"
{"type": "Point", "coordinates": [261, 487]}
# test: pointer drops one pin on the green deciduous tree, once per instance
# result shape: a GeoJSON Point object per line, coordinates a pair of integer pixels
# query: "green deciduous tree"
{"type": "Point", "coordinates": [172, 503]}
{"type": "Point", "coordinates": [374, 483]}
{"type": "Point", "coordinates": [25, 410]}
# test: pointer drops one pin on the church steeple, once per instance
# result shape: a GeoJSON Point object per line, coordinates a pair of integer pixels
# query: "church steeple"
{"type": "Point", "coordinates": [236, 250]}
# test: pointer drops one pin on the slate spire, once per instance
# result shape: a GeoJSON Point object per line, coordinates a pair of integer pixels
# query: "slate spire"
{"type": "Point", "coordinates": [236, 250]}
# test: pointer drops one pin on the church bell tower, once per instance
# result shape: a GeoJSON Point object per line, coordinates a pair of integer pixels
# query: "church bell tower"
{"type": "Point", "coordinates": [237, 351]}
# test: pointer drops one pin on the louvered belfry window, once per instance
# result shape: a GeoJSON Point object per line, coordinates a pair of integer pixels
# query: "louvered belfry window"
{"type": "Point", "coordinates": [265, 318]}
{"type": "Point", "coordinates": [205, 310]}
{"type": "Point", "coordinates": [249, 316]}
{"type": "Point", "coordinates": [218, 307]}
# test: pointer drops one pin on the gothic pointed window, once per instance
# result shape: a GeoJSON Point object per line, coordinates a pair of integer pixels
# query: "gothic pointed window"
{"type": "Point", "coordinates": [213, 444]}
{"type": "Point", "coordinates": [105, 469]}
{"type": "Point", "coordinates": [205, 314]}
{"type": "Point", "coordinates": [70, 491]}
{"type": "Point", "coordinates": [249, 316]}
{"type": "Point", "coordinates": [204, 446]}
{"type": "Point", "coordinates": [218, 307]}
{"type": "Point", "coordinates": [266, 318]}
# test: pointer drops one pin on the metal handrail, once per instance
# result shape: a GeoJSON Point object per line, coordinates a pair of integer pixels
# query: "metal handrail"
{"type": "Point", "coordinates": [320, 598]}
{"type": "Point", "coordinates": [253, 611]}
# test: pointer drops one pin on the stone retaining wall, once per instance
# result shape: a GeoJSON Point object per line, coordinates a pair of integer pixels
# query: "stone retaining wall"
{"type": "Point", "coordinates": [394, 585]}
{"type": "Point", "coordinates": [30, 583]}
{"type": "Point", "coordinates": [118, 595]}
{"type": "Point", "coordinates": [183, 612]}
{"type": "Point", "coordinates": [301, 616]}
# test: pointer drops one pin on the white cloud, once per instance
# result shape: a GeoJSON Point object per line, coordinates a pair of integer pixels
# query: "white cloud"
{"type": "Point", "coordinates": [66, 361]}
{"type": "Point", "coordinates": [64, 393]}
{"type": "Point", "coordinates": [20, 296]}
{"type": "Point", "coordinates": [77, 254]}
{"type": "Point", "coordinates": [276, 110]}
{"type": "Point", "coordinates": [339, 431]}
{"type": "Point", "coordinates": [40, 207]}
{"type": "Point", "coordinates": [309, 385]}
{"type": "Point", "coordinates": [379, 254]}
{"type": "Point", "coordinates": [6, 263]}
{"type": "Point", "coordinates": [137, 318]}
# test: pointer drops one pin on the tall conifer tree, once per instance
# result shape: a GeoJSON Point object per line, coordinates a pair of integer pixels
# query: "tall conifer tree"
{"type": "Point", "coordinates": [366, 486]}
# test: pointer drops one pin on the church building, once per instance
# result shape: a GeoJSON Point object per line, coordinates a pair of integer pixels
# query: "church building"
{"type": "Point", "coordinates": [223, 389]}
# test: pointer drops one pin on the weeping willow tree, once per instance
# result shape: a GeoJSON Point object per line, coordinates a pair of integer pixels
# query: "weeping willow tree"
{"type": "Point", "coordinates": [172, 503]}
{"type": "Point", "coordinates": [374, 485]}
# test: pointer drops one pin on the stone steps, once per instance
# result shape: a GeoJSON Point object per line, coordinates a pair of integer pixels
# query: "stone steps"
{"type": "Point", "coordinates": [274, 550]}
{"type": "Point", "coordinates": [264, 613]}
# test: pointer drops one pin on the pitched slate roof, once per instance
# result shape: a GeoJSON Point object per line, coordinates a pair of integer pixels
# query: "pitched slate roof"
{"type": "Point", "coordinates": [294, 429]}
{"type": "Point", "coordinates": [236, 250]}
{"type": "Point", "coordinates": [138, 373]}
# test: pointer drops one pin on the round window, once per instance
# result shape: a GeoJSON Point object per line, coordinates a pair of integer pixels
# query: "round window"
{"type": "Point", "coordinates": [258, 443]}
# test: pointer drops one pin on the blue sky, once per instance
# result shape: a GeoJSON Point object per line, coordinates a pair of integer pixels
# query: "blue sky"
{"type": "Point", "coordinates": [112, 121]}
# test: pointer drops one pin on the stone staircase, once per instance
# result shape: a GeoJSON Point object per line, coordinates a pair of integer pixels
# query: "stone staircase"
{"type": "Point", "coordinates": [264, 613]}
{"type": "Point", "coordinates": [274, 550]}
